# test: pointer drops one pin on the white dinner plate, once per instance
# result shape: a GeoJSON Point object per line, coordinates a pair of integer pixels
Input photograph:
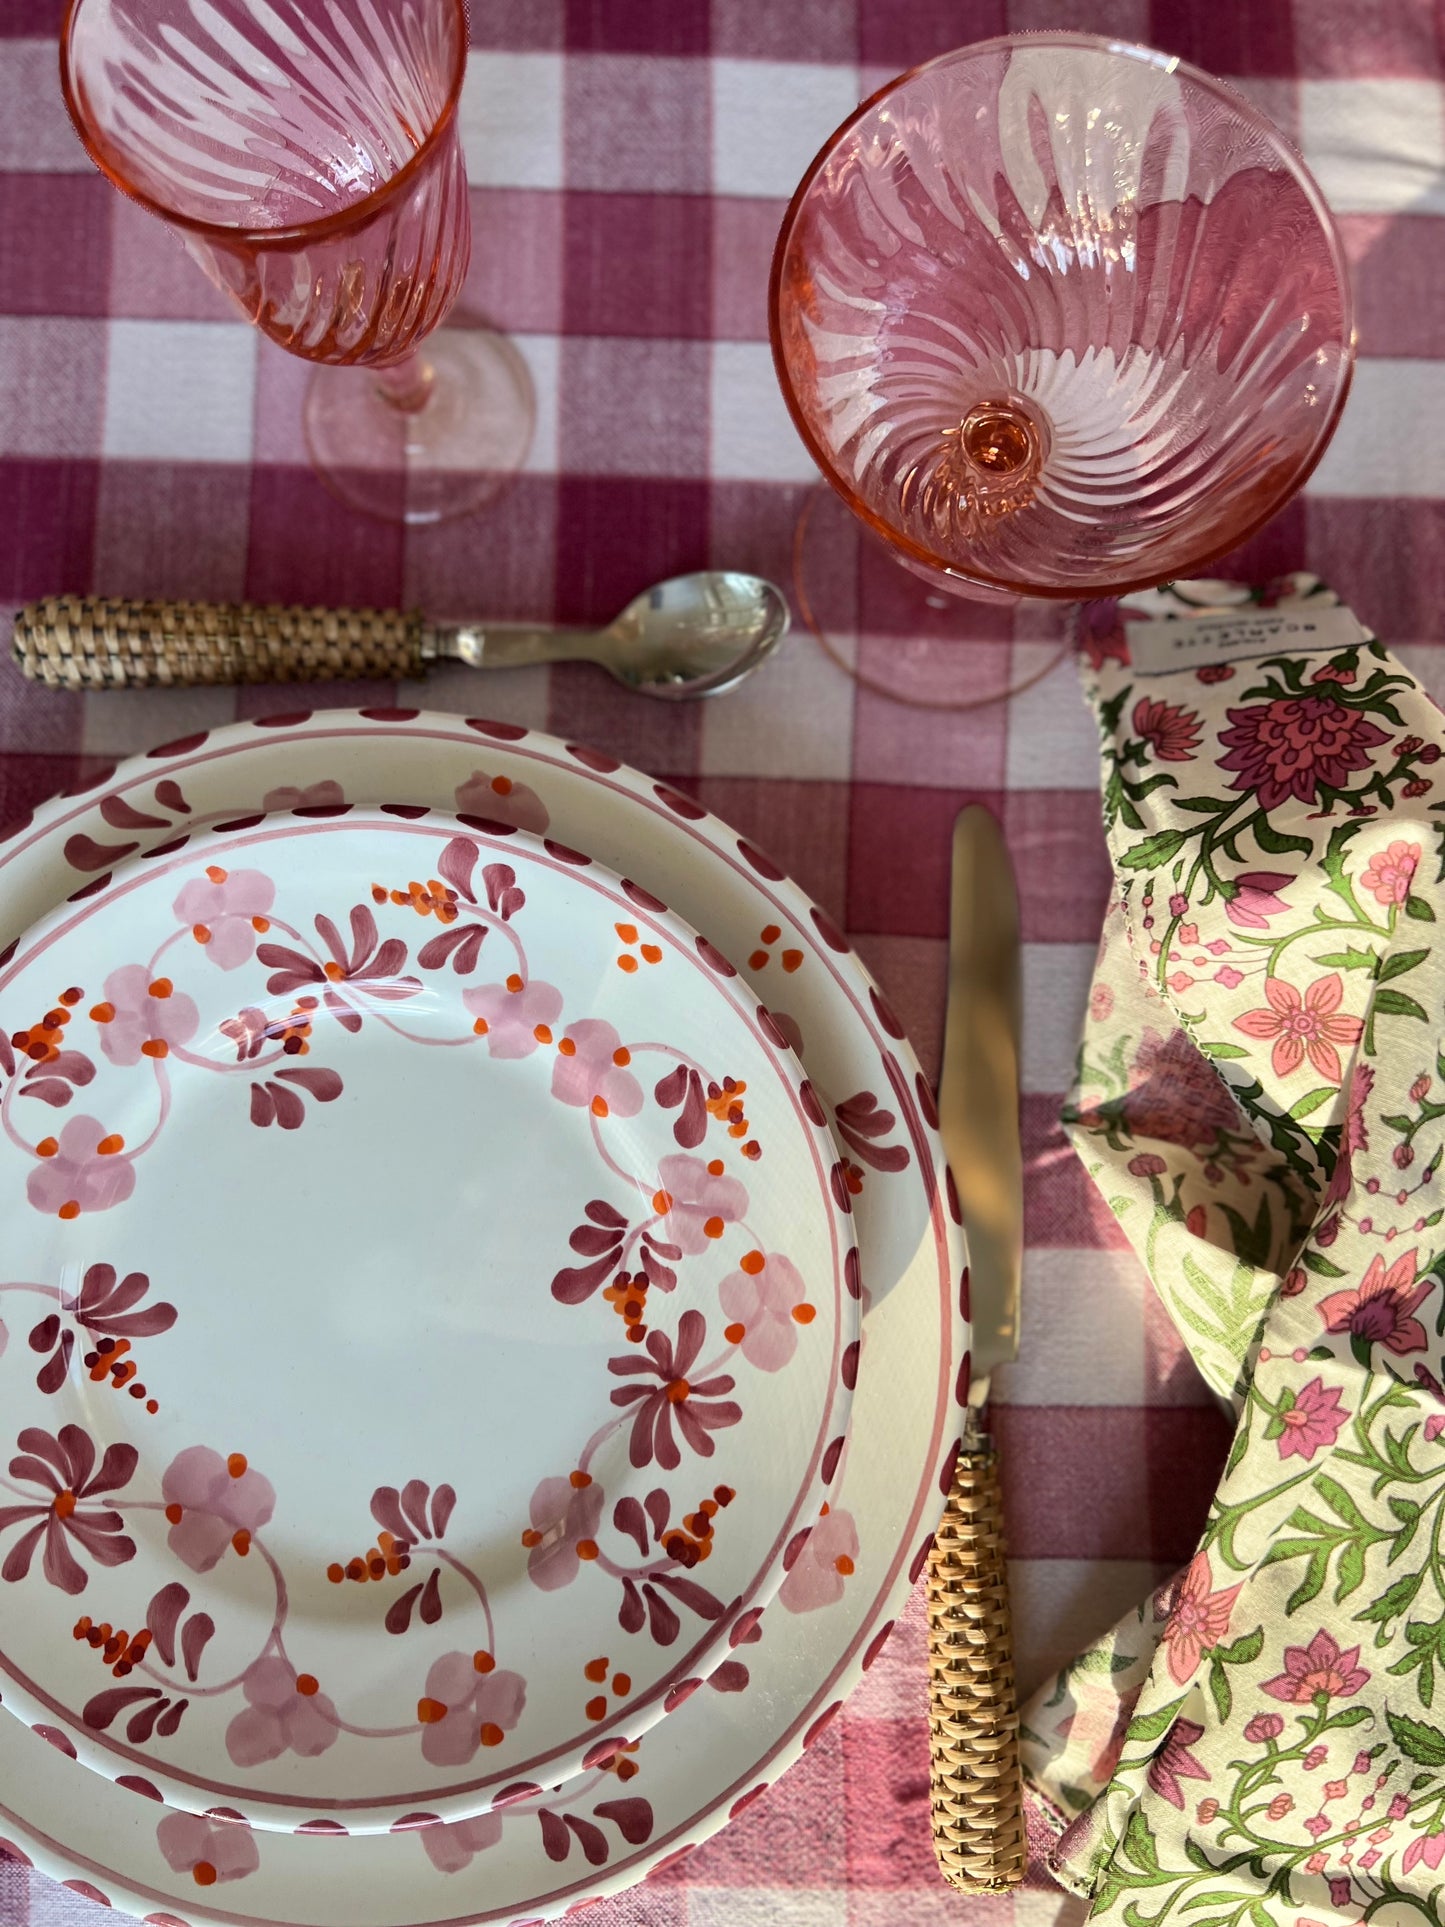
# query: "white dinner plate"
{"type": "Point", "coordinates": [789, 1672]}
{"type": "Point", "coordinates": [438, 1315]}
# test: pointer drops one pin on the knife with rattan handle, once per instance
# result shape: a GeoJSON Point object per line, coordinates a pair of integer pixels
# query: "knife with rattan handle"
{"type": "Point", "coordinates": [977, 1793]}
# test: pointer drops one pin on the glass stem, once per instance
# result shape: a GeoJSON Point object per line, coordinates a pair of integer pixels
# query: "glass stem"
{"type": "Point", "coordinates": [407, 386]}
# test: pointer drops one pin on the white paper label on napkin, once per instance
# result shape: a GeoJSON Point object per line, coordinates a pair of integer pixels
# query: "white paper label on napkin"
{"type": "Point", "coordinates": [1159, 645]}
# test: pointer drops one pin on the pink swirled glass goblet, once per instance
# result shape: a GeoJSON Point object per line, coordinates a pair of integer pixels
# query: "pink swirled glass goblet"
{"type": "Point", "coordinates": [1060, 317]}
{"type": "Point", "coordinates": [307, 153]}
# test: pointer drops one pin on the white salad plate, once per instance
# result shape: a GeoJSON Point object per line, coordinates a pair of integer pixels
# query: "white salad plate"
{"type": "Point", "coordinates": [439, 1317]}
{"type": "Point", "coordinates": [641, 1808]}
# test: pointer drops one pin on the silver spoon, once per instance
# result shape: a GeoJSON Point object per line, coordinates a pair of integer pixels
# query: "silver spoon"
{"type": "Point", "coordinates": [695, 635]}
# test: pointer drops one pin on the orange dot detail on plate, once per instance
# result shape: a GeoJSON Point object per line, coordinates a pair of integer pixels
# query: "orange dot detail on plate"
{"type": "Point", "coordinates": [307, 1684]}
{"type": "Point", "coordinates": [596, 1709]}
{"type": "Point", "coordinates": [542, 1033]}
{"type": "Point", "coordinates": [627, 931]}
{"type": "Point", "coordinates": [735, 1334]}
{"type": "Point", "coordinates": [162, 987]}
{"type": "Point", "coordinates": [627, 963]}
{"type": "Point", "coordinates": [621, 1683]}
{"type": "Point", "coordinates": [622, 1057]}
{"type": "Point", "coordinates": [804, 1314]}
{"type": "Point", "coordinates": [599, 1107]}
{"type": "Point", "coordinates": [757, 960]}
{"type": "Point", "coordinates": [586, 1548]}
{"type": "Point", "coordinates": [514, 983]}
{"type": "Point", "coordinates": [482, 1662]}
{"type": "Point", "coordinates": [63, 1504]}
{"type": "Point", "coordinates": [492, 1734]}
{"type": "Point", "coordinates": [215, 873]}
{"type": "Point", "coordinates": [770, 933]}
{"type": "Point", "coordinates": [662, 1203]}
{"type": "Point", "coordinates": [47, 1147]}
{"type": "Point", "coordinates": [334, 971]}
{"type": "Point", "coordinates": [481, 1027]}
{"type": "Point", "coordinates": [595, 1670]}
{"type": "Point", "coordinates": [843, 1564]}
{"type": "Point", "coordinates": [261, 925]}
{"type": "Point", "coordinates": [71, 996]}
{"type": "Point", "coordinates": [791, 960]}
{"type": "Point", "coordinates": [677, 1391]}
{"type": "Point", "coordinates": [200, 932]}
{"type": "Point", "coordinates": [155, 1047]}
{"type": "Point", "coordinates": [174, 1513]}
{"type": "Point", "coordinates": [579, 1480]}
{"type": "Point", "coordinates": [204, 1874]}
{"type": "Point", "coordinates": [108, 1146]}
{"type": "Point", "coordinates": [70, 1209]}
{"type": "Point", "coordinates": [102, 1013]}
{"type": "Point", "coordinates": [236, 1464]}
{"type": "Point", "coordinates": [715, 1167]}
{"type": "Point", "coordinates": [502, 785]}
{"type": "Point", "coordinates": [752, 1262]}
{"type": "Point", "coordinates": [567, 1047]}
{"type": "Point", "coordinates": [430, 1711]}
{"type": "Point", "coordinates": [334, 1572]}
{"type": "Point", "coordinates": [241, 1541]}
{"type": "Point", "coordinates": [652, 953]}
{"type": "Point", "coordinates": [531, 1537]}
{"type": "Point", "coordinates": [713, 1227]}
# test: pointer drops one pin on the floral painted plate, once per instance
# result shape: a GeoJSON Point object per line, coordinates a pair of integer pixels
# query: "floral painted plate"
{"type": "Point", "coordinates": [789, 1673]}
{"type": "Point", "coordinates": [441, 1316]}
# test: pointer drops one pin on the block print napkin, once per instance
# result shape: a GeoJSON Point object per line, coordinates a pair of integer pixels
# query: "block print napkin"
{"type": "Point", "coordinates": [1260, 1096]}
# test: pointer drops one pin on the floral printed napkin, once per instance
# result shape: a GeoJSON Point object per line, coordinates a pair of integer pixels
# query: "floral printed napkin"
{"type": "Point", "coordinates": [1260, 1098]}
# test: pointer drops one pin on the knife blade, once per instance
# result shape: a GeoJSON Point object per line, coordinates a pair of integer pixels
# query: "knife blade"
{"type": "Point", "coordinates": [978, 1091]}
{"type": "Point", "coordinates": [976, 1791]}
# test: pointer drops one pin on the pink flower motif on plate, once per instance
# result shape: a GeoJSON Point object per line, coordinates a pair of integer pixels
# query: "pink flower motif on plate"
{"type": "Point", "coordinates": [1314, 1420]}
{"type": "Point", "coordinates": [697, 1408]}
{"type": "Point", "coordinates": [146, 1012]}
{"type": "Point", "coordinates": [84, 1169]}
{"type": "Point", "coordinates": [563, 1516]}
{"type": "Point", "coordinates": [285, 1713]}
{"type": "Point", "coordinates": [1289, 747]}
{"type": "Point", "coordinates": [207, 1849]}
{"type": "Point", "coordinates": [453, 1845]}
{"type": "Point", "coordinates": [1390, 872]}
{"type": "Point", "coordinates": [501, 800]}
{"type": "Point", "coordinates": [467, 1704]}
{"type": "Point", "coordinates": [1319, 1667]}
{"type": "Point", "coordinates": [1257, 899]}
{"type": "Point", "coordinates": [591, 1070]}
{"type": "Point", "coordinates": [699, 1202]}
{"type": "Point", "coordinates": [213, 1503]}
{"type": "Point", "coordinates": [768, 1300]}
{"type": "Point", "coordinates": [222, 909]}
{"type": "Point", "coordinates": [509, 1017]}
{"type": "Point", "coordinates": [1301, 1025]}
{"type": "Point", "coordinates": [1382, 1311]}
{"type": "Point", "coordinates": [1199, 1620]}
{"type": "Point", "coordinates": [63, 1468]}
{"type": "Point", "coordinates": [824, 1565]}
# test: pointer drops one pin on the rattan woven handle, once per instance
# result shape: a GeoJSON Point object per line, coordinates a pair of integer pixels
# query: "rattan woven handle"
{"type": "Point", "coordinates": [87, 642]}
{"type": "Point", "coordinates": [978, 1821]}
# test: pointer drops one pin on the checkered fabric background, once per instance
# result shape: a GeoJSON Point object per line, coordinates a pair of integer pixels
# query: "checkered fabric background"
{"type": "Point", "coordinates": [630, 161]}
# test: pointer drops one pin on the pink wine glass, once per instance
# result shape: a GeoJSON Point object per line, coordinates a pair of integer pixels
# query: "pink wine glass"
{"type": "Point", "coordinates": [307, 153]}
{"type": "Point", "coordinates": [1060, 317]}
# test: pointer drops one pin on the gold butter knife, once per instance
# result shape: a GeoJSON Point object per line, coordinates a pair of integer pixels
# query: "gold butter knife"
{"type": "Point", "coordinates": [977, 1795]}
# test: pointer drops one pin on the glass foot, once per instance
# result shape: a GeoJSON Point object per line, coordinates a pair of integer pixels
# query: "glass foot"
{"type": "Point", "coordinates": [439, 436]}
{"type": "Point", "coordinates": [900, 635]}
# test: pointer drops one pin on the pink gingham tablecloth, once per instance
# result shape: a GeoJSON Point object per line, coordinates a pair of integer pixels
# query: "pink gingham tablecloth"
{"type": "Point", "coordinates": [630, 160]}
